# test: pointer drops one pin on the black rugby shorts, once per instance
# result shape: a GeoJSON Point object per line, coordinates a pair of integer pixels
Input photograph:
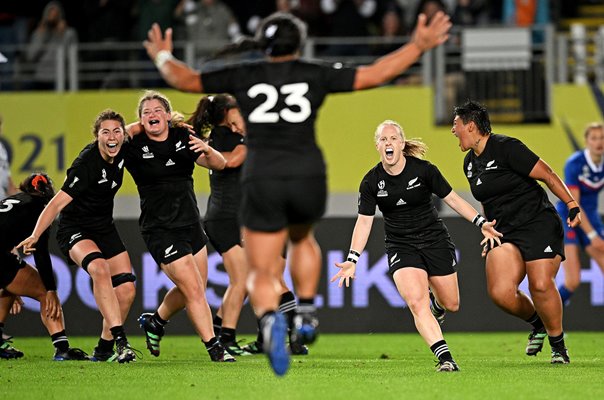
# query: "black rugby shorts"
{"type": "Point", "coordinates": [107, 239]}
{"type": "Point", "coordinates": [167, 246]}
{"type": "Point", "coordinates": [224, 234]}
{"type": "Point", "coordinates": [437, 259]}
{"type": "Point", "coordinates": [10, 264]}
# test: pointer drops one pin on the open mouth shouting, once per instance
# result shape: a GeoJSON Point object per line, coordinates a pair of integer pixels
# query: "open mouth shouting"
{"type": "Point", "coordinates": [389, 153]}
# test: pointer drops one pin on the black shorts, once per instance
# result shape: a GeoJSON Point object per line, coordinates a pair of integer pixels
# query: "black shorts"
{"type": "Point", "coordinates": [540, 238]}
{"type": "Point", "coordinates": [269, 205]}
{"type": "Point", "coordinates": [166, 246]}
{"type": "Point", "coordinates": [10, 264]}
{"type": "Point", "coordinates": [107, 239]}
{"type": "Point", "coordinates": [224, 234]}
{"type": "Point", "coordinates": [437, 259]}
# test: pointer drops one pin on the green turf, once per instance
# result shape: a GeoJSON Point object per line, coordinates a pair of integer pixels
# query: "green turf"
{"type": "Point", "coordinates": [370, 366]}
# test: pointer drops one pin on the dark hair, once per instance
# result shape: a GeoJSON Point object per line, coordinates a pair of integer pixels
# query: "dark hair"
{"type": "Point", "coordinates": [38, 184]}
{"type": "Point", "coordinates": [279, 34]}
{"type": "Point", "coordinates": [107, 115]}
{"type": "Point", "coordinates": [475, 112]}
{"type": "Point", "coordinates": [211, 111]}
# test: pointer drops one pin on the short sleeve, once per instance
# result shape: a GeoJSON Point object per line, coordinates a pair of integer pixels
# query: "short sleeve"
{"type": "Point", "coordinates": [572, 170]}
{"type": "Point", "coordinates": [367, 199]}
{"type": "Point", "coordinates": [437, 182]}
{"type": "Point", "coordinates": [77, 180]}
{"type": "Point", "coordinates": [339, 78]}
{"type": "Point", "coordinates": [519, 157]}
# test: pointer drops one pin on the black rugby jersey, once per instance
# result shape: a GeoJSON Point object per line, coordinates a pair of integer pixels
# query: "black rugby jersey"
{"type": "Point", "coordinates": [18, 216]}
{"type": "Point", "coordinates": [405, 201]}
{"type": "Point", "coordinates": [163, 173]}
{"type": "Point", "coordinates": [280, 102]}
{"type": "Point", "coordinates": [225, 188]}
{"type": "Point", "coordinates": [92, 182]}
{"type": "Point", "coordinates": [499, 179]}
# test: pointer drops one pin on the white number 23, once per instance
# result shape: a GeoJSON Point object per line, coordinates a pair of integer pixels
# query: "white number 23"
{"type": "Point", "coordinates": [294, 93]}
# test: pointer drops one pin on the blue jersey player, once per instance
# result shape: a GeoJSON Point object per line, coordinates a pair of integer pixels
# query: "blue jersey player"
{"type": "Point", "coordinates": [584, 176]}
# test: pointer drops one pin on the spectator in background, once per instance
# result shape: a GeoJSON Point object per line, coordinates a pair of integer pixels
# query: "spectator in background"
{"type": "Point", "coordinates": [210, 24]}
{"type": "Point", "coordinates": [429, 8]}
{"type": "Point", "coordinates": [392, 28]}
{"type": "Point", "coordinates": [348, 18]}
{"type": "Point", "coordinates": [527, 13]}
{"type": "Point", "coordinates": [51, 34]}
{"type": "Point", "coordinates": [471, 12]}
{"type": "Point", "coordinates": [107, 21]}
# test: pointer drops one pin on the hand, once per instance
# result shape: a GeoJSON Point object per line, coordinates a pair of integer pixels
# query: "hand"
{"type": "Point", "coordinates": [198, 145]}
{"type": "Point", "coordinates": [28, 245]}
{"type": "Point", "coordinates": [52, 305]}
{"type": "Point", "coordinates": [184, 125]}
{"type": "Point", "coordinates": [576, 221]}
{"type": "Point", "coordinates": [491, 235]}
{"type": "Point", "coordinates": [345, 274]}
{"type": "Point", "coordinates": [156, 42]}
{"type": "Point", "coordinates": [427, 36]}
{"type": "Point", "coordinates": [134, 128]}
{"type": "Point", "coordinates": [17, 305]}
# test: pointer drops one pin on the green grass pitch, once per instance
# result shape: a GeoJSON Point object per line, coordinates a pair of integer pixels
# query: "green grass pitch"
{"type": "Point", "coordinates": [340, 366]}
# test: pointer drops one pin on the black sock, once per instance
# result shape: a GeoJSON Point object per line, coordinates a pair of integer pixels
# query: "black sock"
{"type": "Point", "coordinates": [217, 322]}
{"type": "Point", "coordinates": [105, 346]}
{"type": "Point", "coordinates": [441, 351]}
{"type": "Point", "coordinates": [306, 306]}
{"type": "Point", "coordinates": [259, 336]}
{"type": "Point", "coordinates": [287, 307]}
{"type": "Point", "coordinates": [228, 335]}
{"type": "Point", "coordinates": [1, 330]}
{"type": "Point", "coordinates": [60, 341]}
{"type": "Point", "coordinates": [535, 320]}
{"type": "Point", "coordinates": [159, 320]}
{"type": "Point", "coordinates": [557, 342]}
{"type": "Point", "coordinates": [211, 342]}
{"type": "Point", "coordinates": [118, 333]}
{"type": "Point", "coordinates": [437, 305]}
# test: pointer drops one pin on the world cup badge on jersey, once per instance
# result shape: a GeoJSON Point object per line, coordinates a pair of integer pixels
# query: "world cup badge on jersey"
{"type": "Point", "coordinates": [469, 173]}
{"type": "Point", "coordinates": [381, 192]}
{"type": "Point", "coordinates": [146, 153]}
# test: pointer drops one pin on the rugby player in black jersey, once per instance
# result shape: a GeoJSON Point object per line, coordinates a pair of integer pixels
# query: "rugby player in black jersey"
{"type": "Point", "coordinates": [87, 234]}
{"type": "Point", "coordinates": [420, 252]}
{"type": "Point", "coordinates": [18, 215]}
{"type": "Point", "coordinates": [503, 174]}
{"type": "Point", "coordinates": [161, 160]}
{"type": "Point", "coordinates": [284, 185]}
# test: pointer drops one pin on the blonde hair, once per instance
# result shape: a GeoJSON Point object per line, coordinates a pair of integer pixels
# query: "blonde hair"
{"type": "Point", "coordinates": [153, 95]}
{"type": "Point", "coordinates": [590, 126]}
{"type": "Point", "coordinates": [413, 147]}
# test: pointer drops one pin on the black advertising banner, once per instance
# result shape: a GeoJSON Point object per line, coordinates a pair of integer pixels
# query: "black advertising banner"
{"type": "Point", "coordinates": [371, 304]}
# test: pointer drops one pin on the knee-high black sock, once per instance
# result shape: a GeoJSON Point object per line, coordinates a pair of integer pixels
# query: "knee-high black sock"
{"type": "Point", "coordinates": [217, 322]}
{"type": "Point", "coordinates": [287, 307]}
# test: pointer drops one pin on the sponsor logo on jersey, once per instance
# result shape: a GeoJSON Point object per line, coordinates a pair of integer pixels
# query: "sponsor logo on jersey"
{"type": "Point", "coordinates": [146, 153]}
{"type": "Point", "coordinates": [75, 236]}
{"type": "Point", "coordinates": [104, 176]}
{"type": "Point", "coordinates": [113, 184]}
{"type": "Point", "coordinates": [170, 162]}
{"type": "Point", "coordinates": [413, 183]}
{"type": "Point", "coordinates": [381, 192]}
{"type": "Point", "coordinates": [121, 164]}
{"type": "Point", "coordinates": [179, 146]}
{"type": "Point", "coordinates": [478, 182]}
{"type": "Point", "coordinates": [168, 252]}
{"type": "Point", "coordinates": [490, 165]}
{"type": "Point", "coordinates": [75, 179]}
{"type": "Point", "coordinates": [401, 202]}
{"type": "Point", "coordinates": [548, 249]}
{"type": "Point", "coordinates": [394, 260]}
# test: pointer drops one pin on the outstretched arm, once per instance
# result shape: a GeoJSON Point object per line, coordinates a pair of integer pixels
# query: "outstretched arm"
{"type": "Point", "coordinates": [465, 209]}
{"type": "Point", "coordinates": [50, 212]}
{"type": "Point", "coordinates": [176, 73]}
{"type": "Point", "coordinates": [360, 234]}
{"type": "Point", "coordinates": [209, 158]}
{"type": "Point", "coordinates": [425, 37]}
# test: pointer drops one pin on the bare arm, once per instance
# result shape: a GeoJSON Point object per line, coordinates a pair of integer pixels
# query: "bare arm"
{"type": "Point", "coordinates": [425, 37]}
{"type": "Point", "coordinates": [544, 173]}
{"type": "Point", "coordinates": [465, 209]}
{"type": "Point", "coordinates": [209, 158]}
{"type": "Point", "coordinates": [48, 215]}
{"type": "Point", "coordinates": [176, 73]}
{"type": "Point", "coordinates": [360, 235]}
{"type": "Point", "coordinates": [236, 157]}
